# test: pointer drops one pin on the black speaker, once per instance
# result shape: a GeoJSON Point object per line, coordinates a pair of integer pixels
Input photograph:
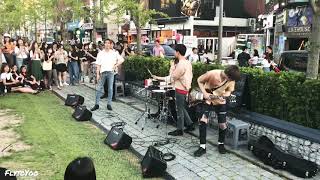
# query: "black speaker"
{"type": "Point", "coordinates": [153, 164]}
{"type": "Point", "coordinates": [81, 113]}
{"type": "Point", "coordinates": [117, 139]}
{"type": "Point", "coordinates": [74, 100]}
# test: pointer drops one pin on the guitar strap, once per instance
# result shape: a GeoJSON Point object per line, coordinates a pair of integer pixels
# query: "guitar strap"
{"type": "Point", "coordinates": [219, 86]}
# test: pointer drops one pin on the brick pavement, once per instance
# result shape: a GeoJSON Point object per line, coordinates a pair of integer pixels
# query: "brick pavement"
{"type": "Point", "coordinates": [210, 166]}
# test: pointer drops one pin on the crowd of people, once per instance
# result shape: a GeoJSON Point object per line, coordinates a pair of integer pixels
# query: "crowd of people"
{"type": "Point", "coordinates": [266, 61]}
{"type": "Point", "coordinates": [31, 68]}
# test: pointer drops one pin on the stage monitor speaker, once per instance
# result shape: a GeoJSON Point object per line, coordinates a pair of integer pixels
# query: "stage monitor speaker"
{"type": "Point", "coordinates": [74, 100]}
{"type": "Point", "coordinates": [81, 113]}
{"type": "Point", "coordinates": [153, 164]}
{"type": "Point", "coordinates": [117, 139]}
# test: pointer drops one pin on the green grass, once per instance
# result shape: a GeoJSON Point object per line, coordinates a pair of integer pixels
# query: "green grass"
{"type": "Point", "coordinates": [56, 139]}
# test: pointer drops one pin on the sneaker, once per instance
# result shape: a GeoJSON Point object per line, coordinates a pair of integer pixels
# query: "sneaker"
{"type": "Point", "coordinates": [199, 152]}
{"type": "Point", "coordinates": [176, 133]}
{"type": "Point", "coordinates": [189, 128]}
{"type": "Point", "coordinates": [66, 84]}
{"type": "Point", "coordinates": [50, 88]}
{"type": "Point", "coordinates": [61, 84]}
{"type": "Point", "coordinates": [222, 149]}
{"type": "Point", "coordinates": [95, 107]}
{"type": "Point", "coordinates": [109, 107]}
{"type": "Point", "coordinates": [59, 87]}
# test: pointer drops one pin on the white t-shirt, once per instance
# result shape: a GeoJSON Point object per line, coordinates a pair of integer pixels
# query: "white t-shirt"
{"type": "Point", "coordinates": [265, 63]}
{"type": "Point", "coordinates": [7, 76]}
{"type": "Point", "coordinates": [255, 60]}
{"type": "Point", "coordinates": [2, 59]}
{"type": "Point", "coordinates": [193, 58]}
{"type": "Point", "coordinates": [21, 54]}
{"type": "Point", "coordinates": [107, 60]}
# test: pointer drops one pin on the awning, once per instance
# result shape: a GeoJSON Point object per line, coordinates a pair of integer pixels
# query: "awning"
{"type": "Point", "coordinates": [172, 20]}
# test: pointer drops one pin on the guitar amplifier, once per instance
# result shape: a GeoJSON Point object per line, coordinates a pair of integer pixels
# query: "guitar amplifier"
{"type": "Point", "coordinates": [153, 164]}
{"type": "Point", "coordinates": [117, 139]}
{"type": "Point", "coordinates": [74, 100]}
{"type": "Point", "coordinates": [81, 113]}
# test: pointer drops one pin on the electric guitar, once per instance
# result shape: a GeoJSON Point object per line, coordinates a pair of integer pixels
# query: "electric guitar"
{"type": "Point", "coordinates": [196, 97]}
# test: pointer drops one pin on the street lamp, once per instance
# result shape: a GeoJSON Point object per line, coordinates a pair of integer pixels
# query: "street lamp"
{"type": "Point", "coordinates": [220, 31]}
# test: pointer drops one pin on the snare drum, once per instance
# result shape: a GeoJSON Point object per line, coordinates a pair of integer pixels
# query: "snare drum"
{"type": "Point", "coordinates": [158, 93]}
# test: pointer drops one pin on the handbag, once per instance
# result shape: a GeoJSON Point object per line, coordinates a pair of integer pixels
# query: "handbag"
{"type": "Point", "coordinates": [47, 65]}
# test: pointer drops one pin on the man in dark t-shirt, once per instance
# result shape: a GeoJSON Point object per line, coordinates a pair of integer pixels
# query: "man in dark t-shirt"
{"type": "Point", "coordinates": [243, 58]}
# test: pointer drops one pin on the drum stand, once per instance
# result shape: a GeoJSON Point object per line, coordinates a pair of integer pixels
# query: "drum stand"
{"type": "Point", "coordinates": [146, 113]}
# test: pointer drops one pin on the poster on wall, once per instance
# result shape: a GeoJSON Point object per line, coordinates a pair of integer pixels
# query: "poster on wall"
{"type": "Point", "coordinates": [203, 9]}
{"type": "Point", "coordinates": [256, 42]}
{"type": "Point", "coordinates": [300, 16]}
{"type": "Point", "coordinates": [190, 7]}
{"type": "Point", "coordinates": [299, 21]}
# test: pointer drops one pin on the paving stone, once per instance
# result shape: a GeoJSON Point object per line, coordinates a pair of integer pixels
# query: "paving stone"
{"type": "Point", "coordinates": [203, 174]}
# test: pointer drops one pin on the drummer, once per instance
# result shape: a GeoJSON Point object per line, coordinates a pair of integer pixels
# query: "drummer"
{"type": "Point", "coordinates": [168, 82]}
{"type": "Point", "coordinates": [181, 76]}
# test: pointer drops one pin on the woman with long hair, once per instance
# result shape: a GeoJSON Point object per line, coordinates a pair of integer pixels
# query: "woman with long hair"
{"type": "Point", "coordinates": [61, 65]}
{"type": "Point", "coordinates": [8, 50]}
{"type": "Point", "coordinates": [36, 68]}
{"type": "Point", "coordinates": [255, 57]}
{"type": "Point", "coordinates": [21, 52]}
{"type": "Point", "coordinates": [47, 67]}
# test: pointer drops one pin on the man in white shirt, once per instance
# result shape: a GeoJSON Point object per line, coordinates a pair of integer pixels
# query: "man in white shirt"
{"type": "Point", "coordinates": [194, 56]}
{"type": "Point", "coordinates": [107, 61]}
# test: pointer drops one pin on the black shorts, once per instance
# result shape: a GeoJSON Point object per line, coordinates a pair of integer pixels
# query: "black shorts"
{"type": "Point", "coordinates": [61, 67]}
{"type": "Point", "coordinates": [220, 110]}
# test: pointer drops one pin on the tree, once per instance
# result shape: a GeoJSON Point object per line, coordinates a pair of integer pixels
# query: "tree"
{"type": "Point", "coordinates": [139, 12]}
{"type": "Point", "coordinates": [314, 46]}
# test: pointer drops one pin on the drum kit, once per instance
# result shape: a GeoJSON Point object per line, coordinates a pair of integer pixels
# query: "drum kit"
{"type": "Point", "coordinates": [162, 93]}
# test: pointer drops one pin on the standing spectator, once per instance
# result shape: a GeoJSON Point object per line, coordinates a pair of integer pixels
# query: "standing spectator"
{"type": "Point", "coordinates": [92, 54]}
{"type": "Point", "coordinates": [47, 67]}
{"type": "Point", "coordinates": [107, 61]}
{"type": "Point", "coordinates": [35, 55]}
{"type": "Point", "coordinates": [158, 50]}
{"type": "Point", "coordinates": [73, 65]}
{"type": "Point", "coordinates": [21, 52]}
{"type": "Point", "coordinates": [126, 51]}
{"type": "Point", "coordinates": [54, 66]}
{"type": "Point", "coordinates": [243, 58]}
{"type": "Point", "coordinates": [8, 49]}
{"type": "Point", "coordinates": [85, 62]}
{"type": "Point", "coordinates": [2, 58]}
{"type": "Point", "coordinates": [194, 56]}
{"type": "Point", "coordinates": [81, 57]}
{"type": "Point", "coordinates": [269, 54]}
{"type": "Point", "coordinates": [254, 60]}
{"type": "Point", "coordinates": [61, 64]}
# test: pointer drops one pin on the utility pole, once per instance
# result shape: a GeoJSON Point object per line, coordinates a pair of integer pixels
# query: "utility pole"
{"type": "Point", "coordinates": [220, 32]}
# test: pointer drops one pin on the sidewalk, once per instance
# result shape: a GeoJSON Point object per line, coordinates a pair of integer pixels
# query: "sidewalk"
{"type": "Point", "coordinates": [237, 164]}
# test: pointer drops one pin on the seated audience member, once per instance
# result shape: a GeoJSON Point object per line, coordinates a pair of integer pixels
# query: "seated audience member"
{"type": "Point", "coordinates": [80, 169]}
{"type": "Point", "coordinates": [10, 84]}
{"type": "Point", "coordinates": [14, 72]}
{"type": "Point", "coordinates": [28, 81]}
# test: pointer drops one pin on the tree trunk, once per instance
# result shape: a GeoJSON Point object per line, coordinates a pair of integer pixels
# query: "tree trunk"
{"type": "Point", "coordinates": [138, 28]}
{"type": "Point", "coordinates": [313, 58]}
{"type": "Point", "coordinates": [64, 33]}
{"type": "Point", "coordinates": [94, 31]}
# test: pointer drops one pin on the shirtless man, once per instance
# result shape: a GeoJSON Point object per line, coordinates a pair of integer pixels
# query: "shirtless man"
{"type": "Point", "coordinates": [218, 83]}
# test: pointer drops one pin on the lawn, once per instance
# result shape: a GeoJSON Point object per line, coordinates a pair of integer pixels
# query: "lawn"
{"type": "Point", "coordinates": [56, 139]}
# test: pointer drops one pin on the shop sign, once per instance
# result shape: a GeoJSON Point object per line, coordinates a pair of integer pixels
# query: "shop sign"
{"type": "Point", "coordinates": [87, 26]}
